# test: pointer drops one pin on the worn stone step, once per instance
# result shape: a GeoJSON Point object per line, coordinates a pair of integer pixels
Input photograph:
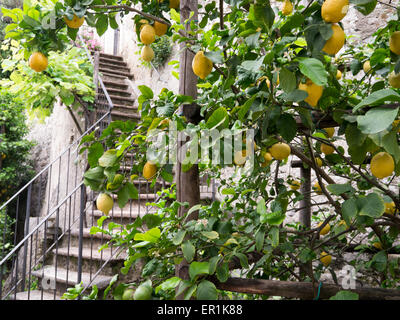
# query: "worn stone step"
{"type": "Point", "coordinates": [92, 259]}
{"type": "Point", "coordinates": [34, 295]}
{"type": "Point", "coordinates": [127, 109]}
{"type": "Point", "coordinates": [116, 99]}
{"type": "Point", "coordinates": [93, 241]}
{"type": "Point", "coordinates": [104, 65]}
{"type": "Point", "coordinates": [117, 115]}
{"type": "Point", "coordinates": [113, 77]}
{"type": "Point", "coordinates": [108, 56]}
{"type": "Point", "coordinates": [64, 279]}
{"type": "Point", "coordinates": [116, 62]}
{"type": "Point", "coordinates": [109, 84]}
{"type": "Point", "coordinates": [109, 71]}
{"type": "Point", "coordinates": [117, 92]}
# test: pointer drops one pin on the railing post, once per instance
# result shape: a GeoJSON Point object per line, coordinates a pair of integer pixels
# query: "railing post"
{"type": "Point", "coordinates": [81, 219]}
{"type": "Point", "coordinates": [27, 217]}
{"type": "Point", "coordinates": [116, 41]}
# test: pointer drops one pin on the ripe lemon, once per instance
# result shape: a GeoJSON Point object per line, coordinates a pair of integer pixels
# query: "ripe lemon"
{"type": "Point", "coordinates": [342, 222]}
{"type": "Point", "coordinates": [147, 53]}
{"type": "Point", "coordinates": [38, 61]}
{"type": "Point", "coordinates": [280, 151]}
{"type": "Point", "coordinates": [325, 258]}
{"type": "Point", "coordinates": [147, 34]}
{"type": "Point", "coordinates": [394, 42]}
{"type": "Point", "coordinates": [314, 92]}
{"type": "Point", "coordinates": [239, 157]}
{"type": "Point", "coordinates": [3, 156]}
{"type": "Point", "coordinates": [338, 75]}
{"type": "Point", "coordinates": [327, 149]}
{"type": "Point", "coordinates": [295, 185]}
{"type": "Point", "coordinates": [334, 10]}
{"type": "Point", "coordinates": [267, 159]}
{"type": "Point", "coordinates": [287, 8]}
{"type": "Point", "coordinates": [325, 229]}
{"type": "Point", "coordinates": [174, 4]}
{"type": "Point", "coordinates": [396, 124]}
{"type": "Point", "coordinates": [75, 23]}
{"type": "Point", "coordinates": [390, 207]}
{"type": "Point", "coordinates": [394, 80]}
{"type": "Point", "coordinates": [382, 165]}
{"type": "Point", "coordinates": [201, 65]}
{"type": "Point", "coordinates": [378, 245]}
{"type": "Point", "coordinates": [336, 42]}
{"type": "Point", "coordinates": [330, 132]}
{"type": "Point", "coordinates": [149, 170]}
{"type": "Point", "coordinates": [104, 203]}
{"type": "Point", "coordinates": [366, 66]}
{"type": "Point", "coordinates": [319, 162]}
{"type": "Point", "coordinates": [317, 188]}
{"type": "Point", "coordinates": [160, 28]}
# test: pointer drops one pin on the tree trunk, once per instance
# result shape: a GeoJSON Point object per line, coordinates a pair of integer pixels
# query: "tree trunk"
{"type": "Point", "coordinates": [187, 183]}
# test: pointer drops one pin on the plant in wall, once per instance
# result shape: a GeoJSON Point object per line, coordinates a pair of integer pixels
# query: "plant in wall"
{"type": "Point", "coordinates": [162, 49]}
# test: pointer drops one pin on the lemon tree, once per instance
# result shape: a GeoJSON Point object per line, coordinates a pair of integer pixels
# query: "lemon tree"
{"type": "Point", "coordinates": [294, 76]}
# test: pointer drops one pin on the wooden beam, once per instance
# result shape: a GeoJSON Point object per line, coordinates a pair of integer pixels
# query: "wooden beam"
{"type": "Point", "coordinates": [301, 290]}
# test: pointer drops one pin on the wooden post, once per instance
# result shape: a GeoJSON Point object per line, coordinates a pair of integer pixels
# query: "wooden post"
{"type": "Point", "coordinates": [187, 183]}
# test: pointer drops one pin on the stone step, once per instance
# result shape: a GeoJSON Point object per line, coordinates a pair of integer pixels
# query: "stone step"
{"type": "Point", "coordinates": [115, 62]}
{"type": "Point", "coordinates": [104, 65]}
{"type": "Point", "coordinates": [117, 115]}
{"type": "Point", "coordinates": [92, 259]}
{"type": "Point", "coordinates": [64, 279]}
{"type": "Point", "coordinates": [109, 84]}
{"type": "Point", "coordinates": [108, 56]}
{"type": "Point", "coordinates": [34, 295]}
{"type": "Point", "coordinates": [116, 99]}
{"type": "Point", "coordinates": [108, 71]}
{"type": "Point", "coordinates": [117, 92]}
{"type": "Point", "coordinates": [113, 77]}
{"type": "Point", "coordinates": [93, 241]}
{"type": "Point", "coordinates": [125, 109]}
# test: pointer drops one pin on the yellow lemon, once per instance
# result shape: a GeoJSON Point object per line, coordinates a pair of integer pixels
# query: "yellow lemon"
{"type": "Point", "coordinates": [325, 258]}
{"type": "Point", "coordinates": [75, 23]}
{"type": "Point", "coordinates": [314, 92]}
{"type": "Point", "coordinates": [382, 165]}
{"type": "Point", "coordinates": [239, 157]}
{"type": "Point", "coordinates": [38, 62]}
{"type": "Point", "coordinates": [390, 207]}
{"type": "Point", "coordinates": [330, 132]}
{"type": "Point", "coordinates": [104, 203]}
{"type": "Point", "coordinates": [367, 66]}
{"type": "Point", "coordinates": [280, 151]}
{"type": "Point", "coordinates": [149, 170]}
{"type": "Point", "coordinates": [295, 185]}
{"type": "Point", "coordinates": [342, 222]}
{"type": "Point", "coordinates": [319, 162]}
{"type": "Point", "coordinates": [174, 4]}
{"type": "Point", "coordinates": [147, 34]}
{"type": "Point", "coordinates": [396, 124]}
{"type": "Point", "coordinates": [338, 75]}
{"type": "Point", "coordinates": [394, 80]}
{"type": "Point", "coordinates": [160, 28]}
{"type": "Point", "coordinates": [327, 149]}
{"type": "Point", "coordinates": [378, 245]}
{"type": "Point", "coordinates": [336, 42]}
{"type": "Point", "coordinates": [334, 10]}
{"type": "Point", "coordinates": [267, 159]}
{"type": "Point", "coordinates": [147, 53]}
{"type": "Point", "coordinates": [325, 229]}
{"type": "Point", "coordinates": [287, 8]}
{"type": "Point", "coordinates": [394, 42]}
{"type": "Point", "coordinates": [317, 188]}
{"type": "Point", "coordinates": [201, 65]}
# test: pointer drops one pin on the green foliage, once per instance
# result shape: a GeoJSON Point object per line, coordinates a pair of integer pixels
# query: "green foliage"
{"type": "Point", "coordinates": [162, 48]}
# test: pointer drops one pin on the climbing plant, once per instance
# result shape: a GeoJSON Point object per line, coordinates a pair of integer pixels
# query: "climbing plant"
{"type": "Point", "coordinates": [285, 74]}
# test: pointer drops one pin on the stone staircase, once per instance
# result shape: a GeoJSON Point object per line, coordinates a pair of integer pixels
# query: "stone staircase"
{"type": "Point", "coordinates": [61, 266]}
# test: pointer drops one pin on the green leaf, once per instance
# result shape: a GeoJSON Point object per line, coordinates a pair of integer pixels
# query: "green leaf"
{"type": "Point", "coordinates": [197, 269]}
{"type": "Point", "coordinates": [314, 70]}
{"type": "Point", "coordinates": [372, 206]}
{"type": "Point", "coordinates": [180, 235]}
{"type": "Point", "coordinates": [219, 119]}
{"type": "Point", "coordinates": [223, 272]}
{"type": "Point", "coordinates": [274, 236]}
{"type": "Point", "coordinates": [151, 236]}
{"type": "Point", "coordinates": [188, 250]}
{"type": "Point", "coordinates": [376, 120]}
{"type": "Point", "coordinates": [101, 24]}
{"type": "Point", "coordinates": [146, 92]}
{"type": "Point", "coordinates": [295, 96]}
{"type": "Point", "coordinates": [215, 56]}
{"type": "Point", "coordinates": [379, 261]}
{"type": "Point", "coordinates": [169, 284]}
{"type": "Point", "coordinates": [212, 235]}
{"type": "Point", "coordinates": [378, 98]}
{"type": "Point", "coordinates": [96, 174]}
{"type": "Point", "coordinates": [259, 237]}
{"type": "Point", "coordinates": [243, 259]}
{"type": "Point", "coordinates": [292, 22]}
{"type": "Point", "coordinates": [345, 295]}
{"type": "Point", "coordinates": [95, 151]}
{"type": "Point", "coordinates": [287, 80]}
{"type": "Point", "coordinates": [206, 290]}
{"type": "Point", "coordinates": [245, 108]}
{"type": "Point", "coordinates": [108, 159]}
{"type": "Point", "coordinates": [338, 189]}
{"type": "Point", "coordinates": [261, 208]}
{"type": "Point", "coordinates": [287, 127]}
{"type": "Point", "coordinates": [262, 15]}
